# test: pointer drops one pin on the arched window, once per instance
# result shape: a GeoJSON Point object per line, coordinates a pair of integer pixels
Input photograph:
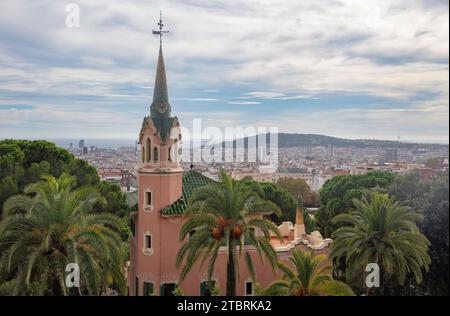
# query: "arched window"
{"type": "Point", "coordinates": [143, 154]}
{"type": "Point", "coordinates": [148, 146]}
{"type": "Point", "coordinates": [155, 154]}
{"type": "Point", "coordinates": [170, 153]}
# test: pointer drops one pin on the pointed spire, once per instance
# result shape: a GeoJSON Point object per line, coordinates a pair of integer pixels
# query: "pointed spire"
{"type": "Point", "coordinates": [160, 108]}
{"type": "Point", "coordinates": [160, 94]}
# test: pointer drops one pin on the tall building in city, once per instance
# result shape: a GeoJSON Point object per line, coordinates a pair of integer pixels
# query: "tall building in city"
{"type": "Point", "coordinates": [391, 155]}
{"type": "Point", "coordinates": [81, 144]}
{"type": "Point", "coordinates": [163, 192]}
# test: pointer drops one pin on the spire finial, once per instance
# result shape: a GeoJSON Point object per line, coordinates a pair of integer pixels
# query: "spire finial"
{"type": "Point", "coordinates": [161, 31]}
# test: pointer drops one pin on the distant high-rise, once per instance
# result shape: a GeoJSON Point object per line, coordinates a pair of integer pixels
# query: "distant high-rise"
{"type": "Point", "coordinates": [71, 146]}
{"type": "Point", "coordinates": [81, 144]}
{"type": "Point", "coordinates": [391, 155]}
{"type": "Point", "coordinates": [309, 154]}
{"type": "Point", "coordinates": [85, 150]}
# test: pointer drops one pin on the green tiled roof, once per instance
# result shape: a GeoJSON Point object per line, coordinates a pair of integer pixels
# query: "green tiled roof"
{"type": "Point", "coordinates": [192, 180]}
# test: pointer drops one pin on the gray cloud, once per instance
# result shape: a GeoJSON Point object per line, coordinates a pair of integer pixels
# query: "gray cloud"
{"type": "Point", "coordinates": [300, 49]}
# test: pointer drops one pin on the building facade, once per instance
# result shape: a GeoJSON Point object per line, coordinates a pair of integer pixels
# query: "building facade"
{"type": "Point", "coordinates": [163, 191]}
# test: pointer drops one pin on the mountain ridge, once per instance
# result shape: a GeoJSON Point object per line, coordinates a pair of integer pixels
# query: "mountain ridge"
{"type": "Point", "coordinates": [288, 140]}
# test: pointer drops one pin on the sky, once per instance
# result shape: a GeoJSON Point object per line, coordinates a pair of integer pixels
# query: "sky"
{"type": "Point", "coordinates": [352, 69]}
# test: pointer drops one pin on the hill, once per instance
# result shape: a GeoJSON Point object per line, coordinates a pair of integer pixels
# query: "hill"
{"type": "Point", "coordinates": [294, 140]}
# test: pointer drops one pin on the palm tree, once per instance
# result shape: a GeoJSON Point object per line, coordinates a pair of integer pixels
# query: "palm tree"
{"type": "Point", "coordinates": [310, 276]}
{"type": "Point", "coordinates": [381, 231]}
{"type": "Point", "coordinates": [227, 213]}
{"type": "Point", "coordinates": [49, 226]}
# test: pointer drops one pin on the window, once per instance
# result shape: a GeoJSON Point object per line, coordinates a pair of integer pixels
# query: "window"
{"type": "Point", "coordinates": [205, 289]}
{"type": "Point", "coordinates": [167, 289]}
{"type": "Point", "coordinates": [148, 146]}
{"type": "Point", "coordinates": [248, 288]}
{"type": "Point", "coordinates": [148, 289]}
{"type": "Point", "coordinates": [148, 198]}
{"type": "Point", "coordinates": [155, 154]}
{"type": "Point", "coordinates": [148, 242]}
{"type": "Point", "coordinates": [136, 287]}
{"type": "Point", "coordinates": [143, 154]}
{"type": "Point", "coordinates": [170, 153]}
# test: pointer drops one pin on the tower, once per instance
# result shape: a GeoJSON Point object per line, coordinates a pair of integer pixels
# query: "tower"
{"type": "Point", "coordinates": [159, 184]}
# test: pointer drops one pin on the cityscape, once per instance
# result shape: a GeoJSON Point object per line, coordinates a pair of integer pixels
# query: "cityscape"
{"type": "Point", "coordinates": [314, 164]}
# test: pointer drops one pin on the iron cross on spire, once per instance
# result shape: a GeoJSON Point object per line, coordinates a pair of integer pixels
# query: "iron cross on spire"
{"type": "Point", "coordinates": [161, 26]}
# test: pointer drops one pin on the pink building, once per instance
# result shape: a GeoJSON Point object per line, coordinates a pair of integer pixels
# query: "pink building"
{"type": "Point", "coordinates": [163, 192]}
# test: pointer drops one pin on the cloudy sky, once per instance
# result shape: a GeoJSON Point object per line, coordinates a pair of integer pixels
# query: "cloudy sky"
{"type": "Point", "coordinates": [355, 69]}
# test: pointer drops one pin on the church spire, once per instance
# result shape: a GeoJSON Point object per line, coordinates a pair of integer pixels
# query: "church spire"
{"type": "Point", "coordinates": [160, 94]}
{"type": "Point", "coordinates": [160, 108]}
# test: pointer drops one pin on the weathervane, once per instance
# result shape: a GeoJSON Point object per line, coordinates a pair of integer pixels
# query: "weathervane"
{"type": "Point", "coordinates": [160, 32]}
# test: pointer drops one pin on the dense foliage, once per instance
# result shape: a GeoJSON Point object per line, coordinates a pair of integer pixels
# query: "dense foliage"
{"type": "Point", "coordinates": [299, 187]}
{"type": "Point", "coordinates": [23, 162]}
{"type": "Point", "coordinates": [71, 221]}
{"type": "Point", "coordinates": [382, 231]}
{"type": "Point", "coordinates": [430, 198]}
{"type": "Point", "coordinates": [310, 276]}
{"type": "Point", "coordinates": [337, 194]}
{"type": "Point", "coordinates": [52, 225]}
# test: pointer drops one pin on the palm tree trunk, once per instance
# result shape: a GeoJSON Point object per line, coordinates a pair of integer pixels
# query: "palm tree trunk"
{"type": "Point", "coordinates": [231, 269]}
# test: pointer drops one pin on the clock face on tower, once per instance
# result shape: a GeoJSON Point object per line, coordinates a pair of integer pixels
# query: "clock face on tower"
{"type": "Point", "coordinates": [162, 108]}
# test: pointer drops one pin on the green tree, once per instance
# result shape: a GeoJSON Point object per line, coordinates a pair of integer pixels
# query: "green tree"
{"type": "Point", "coordinates": [288, 205]}
{"type": "Point", "coordinates": [410, 189]}
{"type": "Point", "coordinates": [310, 276]}
{"type": "Point", "coordinates": [281, 197]}
{"type": "Point", "coordinates": [11, 170]}
{"type": "Point", "coordinates": [11, 160]}
{"type": "Point", "coordinates": [434, 226]}
{"type": "Point", "coordinates": [381, 231]}
{"type": "Point", "coordinates": [8, 187]}
{"type": "Point", "coordinates": [116, 202]}
{"type": "Point", "coordinates": [227, 213]}
{"type": "Point", "coordinates": [85, 174]}
{"type": "Point", "coordinates": [50, 226]}
{"type": "Point", "coordinates": [26, 161]}
{"type": "Point", "coordinates": [299, 187]}
{"type": "Point", "coordinates": [337, 194]}
{"type": "Point", "coordinates": [36, 170]}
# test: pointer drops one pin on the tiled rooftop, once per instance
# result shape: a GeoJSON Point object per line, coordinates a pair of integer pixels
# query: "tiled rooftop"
{"type": "Point", "coordinates": [192, 180]}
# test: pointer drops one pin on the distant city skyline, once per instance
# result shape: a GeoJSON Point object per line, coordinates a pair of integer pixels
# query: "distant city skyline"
{"type": "Point", "coordinates": [348, 69]}
{"type": "Point", "coordinates": [119, 142]}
